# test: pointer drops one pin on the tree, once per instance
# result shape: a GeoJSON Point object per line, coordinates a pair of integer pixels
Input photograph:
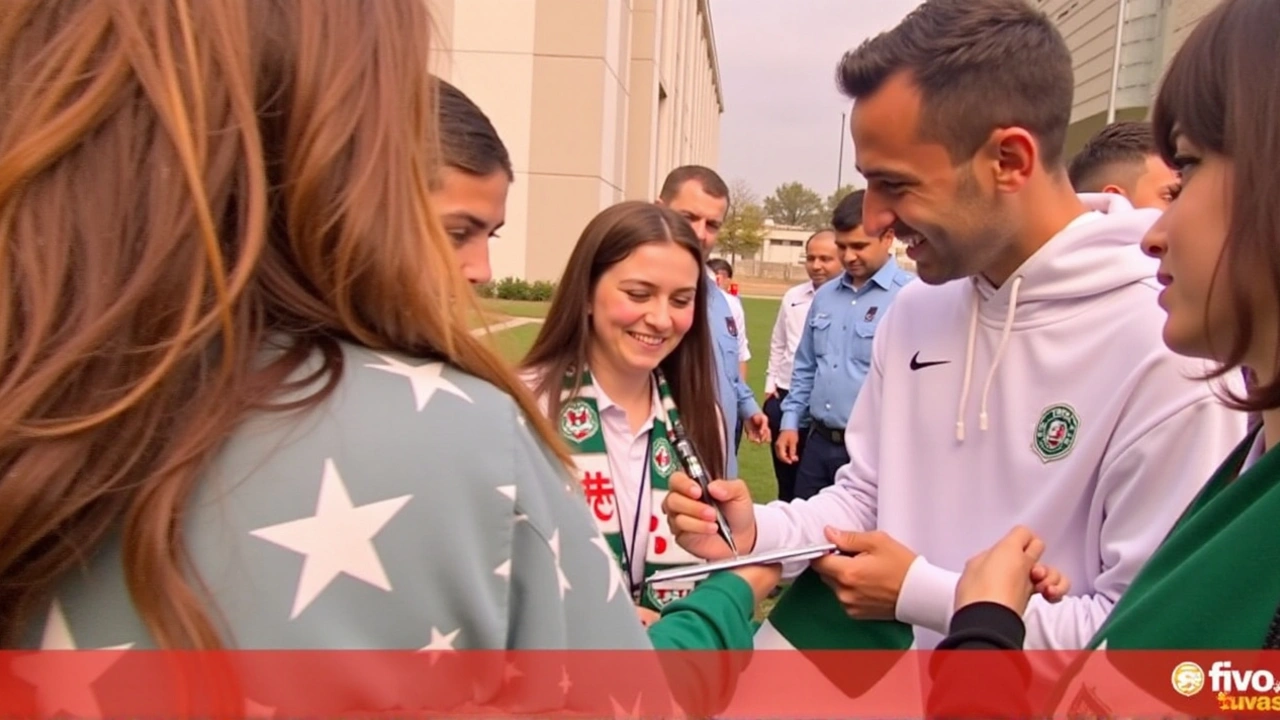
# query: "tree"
{"type": "Point", "coordinates": [743, 231]}
{"type": "Point", "coordinates": [796, 205]}
{"type": "Point", "coordinates": [835, 198]}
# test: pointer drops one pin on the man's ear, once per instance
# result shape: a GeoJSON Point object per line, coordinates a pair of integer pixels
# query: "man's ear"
{"type": "Point", "coordinates": [1012, 154]}
{"type": "Point", "coordinates": [1116, 190]}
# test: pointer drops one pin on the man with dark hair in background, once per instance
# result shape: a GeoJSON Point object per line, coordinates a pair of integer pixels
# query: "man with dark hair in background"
{"type": "Point", "coordinates": [1024, 381]}
{"type": "Point", "coordinates": [834, 354]}
{"type": "Point", "coordinates": [1122, 159]}
{"type": "Point", "coordinates": [702, 197]}
{"type": "Point", "coordinates": [822, 263]}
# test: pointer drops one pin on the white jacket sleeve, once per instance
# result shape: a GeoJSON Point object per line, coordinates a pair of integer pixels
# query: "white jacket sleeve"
{"type": "Point", "coordinates": [777, 349]}
{"type": "Point", "coordinates": [848, 504]}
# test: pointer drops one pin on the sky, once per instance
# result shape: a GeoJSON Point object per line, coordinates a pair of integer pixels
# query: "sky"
{"type": "Point", "coordinates": [778, 58]}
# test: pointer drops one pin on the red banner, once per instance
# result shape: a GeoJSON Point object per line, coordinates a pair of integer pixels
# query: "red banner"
{"type": "Point", "coordinates": [775, 684]}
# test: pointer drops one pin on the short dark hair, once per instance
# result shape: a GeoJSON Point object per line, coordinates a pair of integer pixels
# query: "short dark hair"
{"type": "Point", "coordinates": [711, 182]}
{"type": "Point", "coordinates": [848, 213]}
{"type": "Point", "coordinates": [979, 65]}
{"type": "Point", "coordinates": [1121, 143]}
{"type": "Point", "coordinates": [720, 265]}
{"type": "Point", "coordinates": [468, 141]}
{"type": "Point", "coordinates": [816, 235]}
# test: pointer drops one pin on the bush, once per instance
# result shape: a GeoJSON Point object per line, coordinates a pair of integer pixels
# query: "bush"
{"type": "Point", "coordinates": [510, 288]}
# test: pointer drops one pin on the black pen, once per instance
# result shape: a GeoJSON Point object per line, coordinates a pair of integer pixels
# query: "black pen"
{"type": "Point", "coordinates": [688, 457]}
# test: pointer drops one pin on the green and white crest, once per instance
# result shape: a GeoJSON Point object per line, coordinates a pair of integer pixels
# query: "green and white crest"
{"type": "Point", "coordinates": [1056, 432]}
{"type": "Point", "coordinates": [663, 455]}
{"type": "Point", "coordinates": [578, 420]}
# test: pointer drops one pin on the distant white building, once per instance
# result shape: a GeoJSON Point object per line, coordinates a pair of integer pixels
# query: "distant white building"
{"type": "Point", "coordinates": [783, 248]}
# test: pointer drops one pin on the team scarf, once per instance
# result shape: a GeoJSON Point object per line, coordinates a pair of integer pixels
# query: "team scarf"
{"type": "Point", "coordinates": [580, 427]}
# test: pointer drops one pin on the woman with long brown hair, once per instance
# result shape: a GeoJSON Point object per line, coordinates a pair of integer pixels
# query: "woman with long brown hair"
{"type": "Point", "coordinates": [625, 352]}
{"type": "Point", "coordinates": [242, 407]}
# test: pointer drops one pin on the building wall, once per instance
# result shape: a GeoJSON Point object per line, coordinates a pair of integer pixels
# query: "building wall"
{"type": "Point", "coordinates": [1153, 31]}
{"type": "Point", "coordinates": [596, 101]}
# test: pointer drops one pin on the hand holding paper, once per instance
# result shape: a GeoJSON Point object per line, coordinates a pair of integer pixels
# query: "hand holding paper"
{"type": "Point", "coordinates": [868, 583]}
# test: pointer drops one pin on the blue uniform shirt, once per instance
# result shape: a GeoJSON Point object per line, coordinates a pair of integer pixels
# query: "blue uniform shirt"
{"type": "Point", "coordinates": [736, 399]}
{"type": "Point", "coordinates": [835, 351]}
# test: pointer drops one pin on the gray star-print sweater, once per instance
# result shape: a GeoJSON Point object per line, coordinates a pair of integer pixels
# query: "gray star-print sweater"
{"type": "Point", "coordinates": [413, 510]}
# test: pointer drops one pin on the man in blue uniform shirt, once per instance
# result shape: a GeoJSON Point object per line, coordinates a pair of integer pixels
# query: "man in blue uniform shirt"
{"type": "Point", "coordinates": [835, 351]}
{"type": "Point", "coordinates": [702, 197]}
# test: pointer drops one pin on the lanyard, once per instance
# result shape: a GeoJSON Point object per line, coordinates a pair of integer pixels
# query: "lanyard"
{"type": "Point", "coordinates": [629, 549]}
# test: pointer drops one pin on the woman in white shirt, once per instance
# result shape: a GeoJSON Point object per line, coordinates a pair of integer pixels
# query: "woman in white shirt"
{"type": "Point", "coordinates": [625, 318]}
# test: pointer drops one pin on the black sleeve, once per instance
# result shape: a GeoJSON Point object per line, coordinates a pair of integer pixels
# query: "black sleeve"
{"type": "Point", "coordinates": [994, 685]}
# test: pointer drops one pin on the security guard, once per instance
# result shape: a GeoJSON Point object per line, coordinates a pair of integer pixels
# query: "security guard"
{"type": "Point", "coordinates": [834, 355]}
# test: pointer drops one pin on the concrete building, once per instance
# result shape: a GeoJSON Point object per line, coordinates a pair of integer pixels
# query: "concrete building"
{"type": "Point", "coordinates": [597, 100]}
{"type": "Point", "coordinates": [1152, 32]}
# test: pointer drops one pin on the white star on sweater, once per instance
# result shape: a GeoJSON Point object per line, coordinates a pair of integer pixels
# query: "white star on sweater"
{"type": "Point", "coordinates": [554, 542]}
{"type": "Point", "coordinates": [337, 539]}
{"type": "Point", "coordinates": [426, 379]}
{"type": "Point", "coordinates": [440, 643]}
{"type": "Point", "coordinates": [65, 687]}
{"type": "Point", "coordinates": [615, 572]}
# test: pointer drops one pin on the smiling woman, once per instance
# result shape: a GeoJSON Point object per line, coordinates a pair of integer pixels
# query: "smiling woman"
{"type": "Point", "coordinates": [627, 307]}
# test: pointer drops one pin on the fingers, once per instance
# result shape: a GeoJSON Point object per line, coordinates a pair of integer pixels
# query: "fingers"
{"type": "Point", "coordinates": [1053, 586]}
{"type": "Point", "coordinates": [1034, 549]}
{"type": "Point", "coordinates": [850, 543]}
{"type": "Point", "coordinates": [727, 490]}
{"type": "Point", "coordinates": [683, 485]}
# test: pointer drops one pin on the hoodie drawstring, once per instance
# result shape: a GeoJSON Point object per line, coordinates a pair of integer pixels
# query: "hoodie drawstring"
{"type": "Point", "coordinates": [995, 361]}
{"type": "Point", "coordinates": [968, 367]}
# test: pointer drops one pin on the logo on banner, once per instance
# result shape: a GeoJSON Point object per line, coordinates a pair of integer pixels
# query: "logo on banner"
{"type": "Point", "coordinates": [578, 420]}
{"type": "Point", "coordinates": [1055, 432]}
{"type": "Point", "coordinates": [1188, 679]}
{"type": "Point", "coordinates": [662, 454]}
{"type": "Point", "coordinates": [1233, 688]}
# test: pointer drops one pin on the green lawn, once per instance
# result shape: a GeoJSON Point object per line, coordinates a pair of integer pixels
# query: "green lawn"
{"type": "Point", "coordinates": [516, 308]}
{"type": "Point", "coordinates": [753, 460]}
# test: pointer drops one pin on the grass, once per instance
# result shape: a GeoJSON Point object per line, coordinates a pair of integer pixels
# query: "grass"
{"type": "Point", "coordinates": [516, 308]}
{"type": "Point", "coordinates": [754, 463]}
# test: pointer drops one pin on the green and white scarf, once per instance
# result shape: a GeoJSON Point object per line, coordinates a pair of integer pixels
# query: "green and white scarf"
{"type": "Point", "coordinates": [579, 424]}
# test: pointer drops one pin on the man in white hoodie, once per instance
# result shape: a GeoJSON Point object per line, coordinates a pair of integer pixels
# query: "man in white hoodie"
{"type": "Point", "coordinates": [1024, 381]}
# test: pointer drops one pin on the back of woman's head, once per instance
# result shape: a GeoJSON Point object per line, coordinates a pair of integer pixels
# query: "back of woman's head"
{"type": "Point", "coordinates": [565, 338]}
{"type": "Point", "coordinates": [181, 183]}
{"type": "Point", "coordinates": [1221, 93]}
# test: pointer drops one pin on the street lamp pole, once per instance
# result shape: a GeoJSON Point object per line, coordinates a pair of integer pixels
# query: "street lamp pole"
{"type": "Point", "coordinates": [1121, 6]}
{"type": "Point", "coordinates": [840, 164]}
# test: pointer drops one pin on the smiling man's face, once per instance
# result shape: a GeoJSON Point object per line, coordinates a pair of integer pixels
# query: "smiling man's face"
{"type": "Point", "coordinates": [953, 225]}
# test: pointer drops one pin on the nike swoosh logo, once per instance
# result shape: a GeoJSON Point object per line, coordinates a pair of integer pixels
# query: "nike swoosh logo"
{"type": "Point", "coordinates": [917, 365]}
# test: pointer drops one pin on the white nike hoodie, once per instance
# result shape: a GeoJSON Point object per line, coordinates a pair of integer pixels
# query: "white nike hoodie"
{"type": "Point", "coordinates": [1055, 405]}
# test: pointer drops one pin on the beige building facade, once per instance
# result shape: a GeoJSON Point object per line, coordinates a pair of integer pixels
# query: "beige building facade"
{"type": "Point", "coordinates": [596, 100]}
{"type": "Point", "coordinates": [1152, 31]}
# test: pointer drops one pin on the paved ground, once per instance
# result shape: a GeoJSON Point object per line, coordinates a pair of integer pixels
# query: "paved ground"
{"type": "Point", "coordinates": [507, 325]}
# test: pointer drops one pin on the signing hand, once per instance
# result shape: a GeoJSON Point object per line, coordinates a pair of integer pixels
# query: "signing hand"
{"type": "Point", "coordinates": [867, 584]}
{"type": "Point", "coordinates": [693, 522]}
